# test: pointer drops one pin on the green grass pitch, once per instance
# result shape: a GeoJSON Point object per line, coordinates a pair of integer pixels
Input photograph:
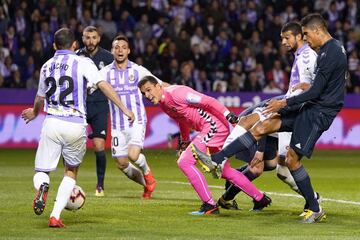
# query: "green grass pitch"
{"type": "Point", "coordinates": [121, 214]}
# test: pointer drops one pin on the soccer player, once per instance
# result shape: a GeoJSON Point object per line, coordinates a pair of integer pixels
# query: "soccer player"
{"type": "Point", "coordinates": [193, 110]}
{"type": "Point", "coordinates": [320, 105]}
{"type": "Point", "coordinates": [62, 92]}
{"type": "Point", "coordinates": [128, 138]}
{"type": "Point", "coordinates": [264, 158]}
{"type": "Point", "coordinates": [97, 107]}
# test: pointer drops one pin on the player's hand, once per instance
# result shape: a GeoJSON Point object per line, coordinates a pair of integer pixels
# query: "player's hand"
{"type": "Point", "coordinates": [257, 159]}
{"type": "Point", "coordinates": [232, 118]}
{"type": "Point", "coordinates": [182, 147]}
{"type": "Point", "coordinates": [274, 106]}
{"type": "Point", "coordinates": [28, 115]}
{"type": "Point", "coordinates": [130, 115]}
{"type": "Point", "coordinates": [302, 86]}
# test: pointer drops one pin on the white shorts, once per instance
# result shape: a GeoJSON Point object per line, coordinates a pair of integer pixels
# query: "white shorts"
{"type": "Point", "coordinates": [262, 116]}
{"type": "Point", "coordinates": [60, 137]}
{"type": "Point", "coordinates": [120, 140]}
{"type": "Point", "coordinates": [284, 142]}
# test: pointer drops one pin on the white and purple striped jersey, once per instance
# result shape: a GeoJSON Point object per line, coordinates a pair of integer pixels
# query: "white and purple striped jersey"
{"type": "Point", "coordinates": [125, 83]}
{"type": "Point", "coordinates": [303, 69]}
{"type": "Point", "coordinates": [63, 82]}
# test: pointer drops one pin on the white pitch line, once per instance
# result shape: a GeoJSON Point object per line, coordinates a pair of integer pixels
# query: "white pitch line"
{"type": "Point", "coordinates": [274, 193]}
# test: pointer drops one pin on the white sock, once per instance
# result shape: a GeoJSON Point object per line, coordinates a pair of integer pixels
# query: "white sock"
{"type": "Point", "coordinates": [284, 174]}
{"type": "Point", "coordinates": [39, 178]}
{"type": "Point", "coordinates": [235, 133]}
{"type": "Point", "coordinates": [63, 194]}
{"type": "Point", "coordinates": [134, 174]}
{"type": "Point", "coordinates": [142, 164]}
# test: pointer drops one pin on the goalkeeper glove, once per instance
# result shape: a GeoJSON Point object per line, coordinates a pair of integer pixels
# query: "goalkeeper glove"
{"type": "Point", "coordinates": [232, 118]}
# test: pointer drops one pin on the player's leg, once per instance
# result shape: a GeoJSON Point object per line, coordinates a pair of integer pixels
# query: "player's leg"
{"type": "Point", "coordinates": [244, 124]}
{"type": "Point", "coordinates": [283, 172]}
{"type": "Point", "coordinates": [119, 145]}
{"type": "Point", "coordinates": [64, 191]}
{"type": "Point", "coordinates": [241, 181]}
{"type": "Point", "coordinates": [74, 148]}
{"type": "Point", "coordinates": [46, 160]}
{"type": "Point", "coordinates": [99, 125]}
{"type": "Point", "coordinates": [246, 141]}
{"type": "Point", "coordinates": [307, 129]}
{"type": "Point", "coordinates": [186, 163]}
{"type": "Point", "coordinates": [136, 144]}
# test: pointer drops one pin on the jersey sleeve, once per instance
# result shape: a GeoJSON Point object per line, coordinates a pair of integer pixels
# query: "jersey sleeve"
{"type": "Point", "coordinates": [91, 72]}
{"type": "Point", "coordinates": [327, 64]}
{"type": "Point", "coordinates": [205, 102]}
{"type": "Point", "coordinates": [307, 68]}
{"type": "Point", "coordinates": [42, 85]}
{"type": "Point", "coordinates": [144, 72]}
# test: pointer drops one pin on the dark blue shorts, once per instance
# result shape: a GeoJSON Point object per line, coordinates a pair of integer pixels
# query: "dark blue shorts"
{"type": "Point", "coordinates": [306, 126]}
{"type": "Point", "coordinates": [270, 152]}
{"type": "Point", "coordinates": [97, 118]}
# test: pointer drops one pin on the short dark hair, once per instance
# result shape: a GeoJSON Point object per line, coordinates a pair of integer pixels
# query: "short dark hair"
{"type": "Point", "coordinates": [63, 38]}
{"type": "Point", "coordinates": [146, 79]}
{"type": "Point", "coordinates": [314, 19]}
{"type": "Point", "coordinates": [121, 37]}
{"type": "Point", "coordinates": [91, 29]}
{"type": "Point", "coordinates": [293, 27]}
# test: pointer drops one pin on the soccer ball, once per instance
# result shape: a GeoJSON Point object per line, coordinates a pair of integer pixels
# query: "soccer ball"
{"type": "Point", "coordinates": [76, 200]}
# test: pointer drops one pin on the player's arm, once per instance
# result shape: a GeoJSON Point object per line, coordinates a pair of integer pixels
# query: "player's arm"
{"type": "Point", "coordinates": [144, 72]}
{"type": "Point", "coordinates": [109, 92]}
{"type": "Point", "coordinates": [325, 69]}
{"type": "Point", "coordinates": [31, 113]}
{"type": "Point", "coordinates": [259, 154]}
{"type": "Point", "coordinates": [184, 135]}
{"type": "Point", "coordinates": [97, 78]}
{"type": "Point", "coordinates": [210, 105]}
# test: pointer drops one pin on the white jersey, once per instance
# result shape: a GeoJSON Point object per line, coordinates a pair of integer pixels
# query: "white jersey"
{"type": "Point", "coordinates": [303, 69]}
{"type": "Point", "coordinates": [125, 83]}
{"type": "Point", "coordinates": [63, 82]}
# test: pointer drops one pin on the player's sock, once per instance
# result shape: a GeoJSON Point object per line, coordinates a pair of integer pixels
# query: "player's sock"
{"type": "Point", "coordinates": [40, 178]}
{"type": "Point", "coordinates": [196, 179]}
{"type": "Point", "coordinates": [63, 194]}
{"type": "Point", "coordinates": [235, 133]}
{"type": "Point", "coordinates": [100, 167]}
{"type": "Point", "coordinates": [233, 190]}
{"type": "Point", "coordinates": [303, 182]}
{"type": "Point", "coordinates": [134, 174]}
{"type": "Point", "coordinates": [284, 175]}
{"type": "Point", "coordinates": [239, 179]}
{"type": "Point", "coordinates": [241, 143]}
{"type": "Point", "coordinates": [142, 164]}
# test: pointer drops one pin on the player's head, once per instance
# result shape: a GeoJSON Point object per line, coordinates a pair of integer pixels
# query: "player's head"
{"type": "Point", "coordinates": [314, 28]}
{"type": "Point", "coordinates": [291, 36]}
{"type": "Point", "coordinates": [150, 88]}
{"type": "Point", "coordinates": [120, 48]}
{"type": "Point", "coordinates": [91, 38]}
{"type": "Point", "coordinates": [64, 39]}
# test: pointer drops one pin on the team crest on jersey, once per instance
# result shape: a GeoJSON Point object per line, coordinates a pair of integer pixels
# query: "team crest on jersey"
{"type": "Point", "coordinates": [113, 151]}
{"type": "Point", "coordinates": [173, 109]}
{"type": "Point", "coordinates": [101, 65]}
{"type": "Point", "coordinates": [131, 77]}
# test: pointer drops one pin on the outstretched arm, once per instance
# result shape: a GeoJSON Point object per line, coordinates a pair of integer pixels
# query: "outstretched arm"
{"type": "Point", "coordinates": [109, 92]}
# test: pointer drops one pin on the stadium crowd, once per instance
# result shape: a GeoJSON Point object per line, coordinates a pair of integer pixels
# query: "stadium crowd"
{"type": "Point", "coordinates": [209, 45]}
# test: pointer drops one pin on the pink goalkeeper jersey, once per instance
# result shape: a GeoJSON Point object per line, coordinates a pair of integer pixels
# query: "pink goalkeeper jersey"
{"type": "Point", "coordinates": [193, 110]}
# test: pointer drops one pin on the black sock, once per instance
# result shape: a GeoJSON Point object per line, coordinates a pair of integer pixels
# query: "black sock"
{"type": "Point", "coordinates": [303, 182]}
{"type": "Point", "coordinates": [233, 190]}
{"type": "Point", "coordinates": [239, 144]}
{"type": "Point", "coordinates": [100, 167]}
